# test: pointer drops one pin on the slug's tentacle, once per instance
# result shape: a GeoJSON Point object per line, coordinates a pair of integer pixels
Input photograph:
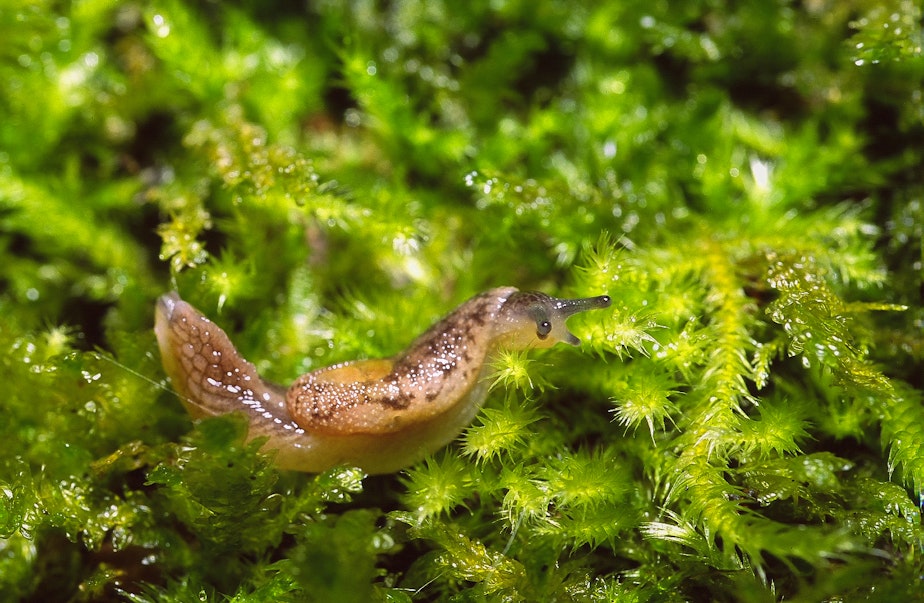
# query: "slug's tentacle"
{"type": "Point", "coordinates": [380, 415]}
{"type": "Point", "coordinates": [527, 309]}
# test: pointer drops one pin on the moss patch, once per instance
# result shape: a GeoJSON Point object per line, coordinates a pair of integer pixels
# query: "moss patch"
{"type": "Point", "coordinates": [744, 179]}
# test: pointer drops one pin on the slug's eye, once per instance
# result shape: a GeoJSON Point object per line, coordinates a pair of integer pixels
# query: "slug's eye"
{"type": "Point", "coordinates": [543, 328]}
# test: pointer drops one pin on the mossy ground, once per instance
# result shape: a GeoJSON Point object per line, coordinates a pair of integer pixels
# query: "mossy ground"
{"type": "Point", "coordinates": [745, 179]}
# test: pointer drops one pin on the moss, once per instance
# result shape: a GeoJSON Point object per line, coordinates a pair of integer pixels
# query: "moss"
{"type": "Point", "coordinates": [744, 423]}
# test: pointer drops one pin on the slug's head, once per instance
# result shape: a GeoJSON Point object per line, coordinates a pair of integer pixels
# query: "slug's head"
{"type": "Point", "coordinates": [529, 319]}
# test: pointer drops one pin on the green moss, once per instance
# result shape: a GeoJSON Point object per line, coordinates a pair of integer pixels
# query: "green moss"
{"type": "Point", "coordinates": [744, 423]}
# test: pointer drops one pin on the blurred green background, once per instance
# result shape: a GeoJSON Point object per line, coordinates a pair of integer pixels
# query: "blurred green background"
{"type": "Point", "coordinates": [326, 179]}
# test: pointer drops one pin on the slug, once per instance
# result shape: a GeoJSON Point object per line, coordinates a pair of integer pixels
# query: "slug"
{"type": "Point", "coordinates": [379, 415]}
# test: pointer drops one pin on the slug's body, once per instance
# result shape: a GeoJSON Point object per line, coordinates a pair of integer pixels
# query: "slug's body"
{"type": "Point", "coordinates": [380, 415]}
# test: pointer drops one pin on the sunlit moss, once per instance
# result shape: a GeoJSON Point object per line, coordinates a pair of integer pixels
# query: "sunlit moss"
{"type": "Point", "coordinates": [500, 431]}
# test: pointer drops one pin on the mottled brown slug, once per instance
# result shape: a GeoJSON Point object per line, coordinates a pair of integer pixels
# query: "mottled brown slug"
{"type": "Point", "coordinates": [380, 415]}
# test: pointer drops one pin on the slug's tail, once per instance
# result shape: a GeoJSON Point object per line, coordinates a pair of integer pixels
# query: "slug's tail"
{"type": "Point", "coordinates": [206, 370]}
